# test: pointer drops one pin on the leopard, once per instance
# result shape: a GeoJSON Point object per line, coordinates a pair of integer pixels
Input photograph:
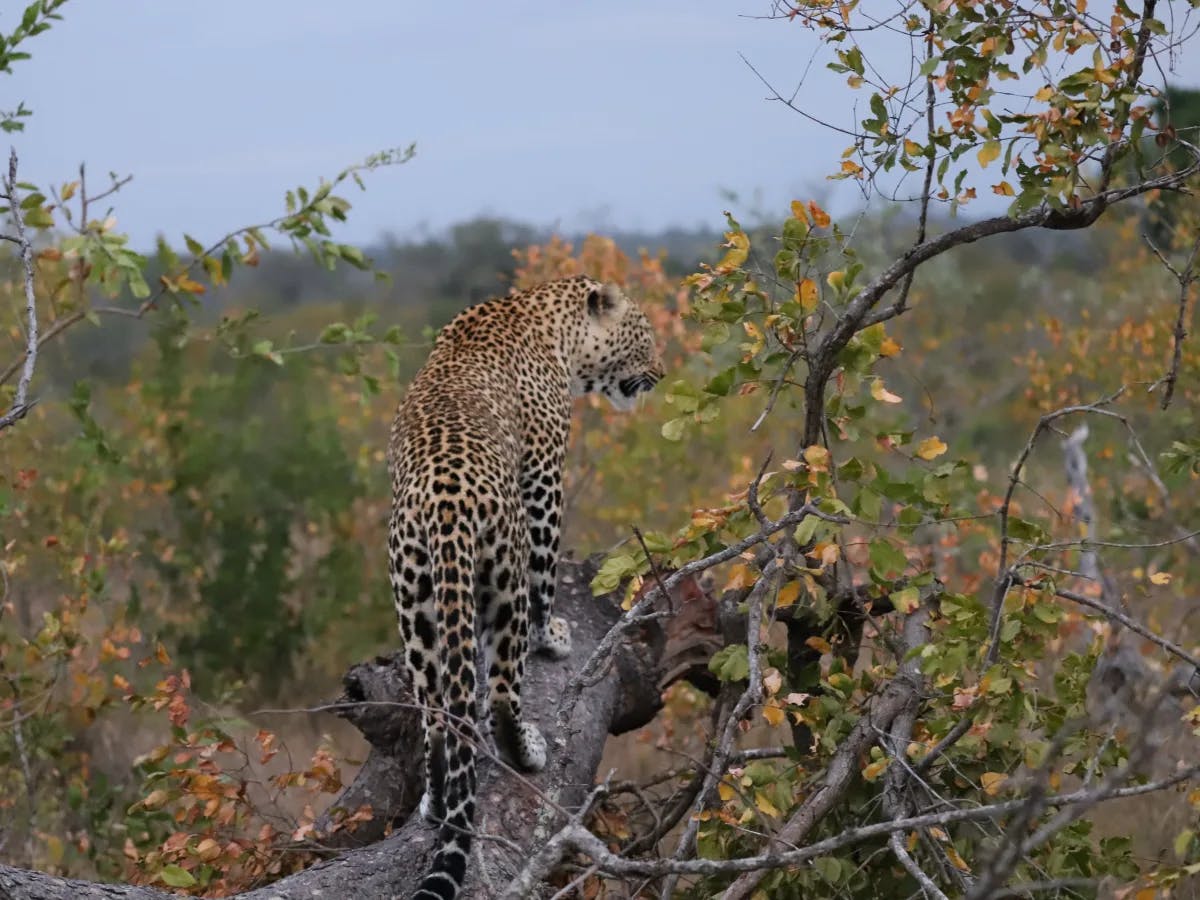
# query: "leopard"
{"type": "Point", "coordinates": [475, 456]}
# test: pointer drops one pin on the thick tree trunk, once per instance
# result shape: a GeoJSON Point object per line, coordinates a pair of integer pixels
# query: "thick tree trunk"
{"type": "Point", "coordinates": [522, 812]}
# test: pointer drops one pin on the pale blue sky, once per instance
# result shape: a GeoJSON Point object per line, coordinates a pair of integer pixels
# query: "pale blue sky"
{"type": "Point", "coordinates": [624, 114]}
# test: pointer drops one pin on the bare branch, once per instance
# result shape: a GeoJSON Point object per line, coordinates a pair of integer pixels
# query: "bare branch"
{"type": "Point", "coordinates": [1186, 277]}
{"type": "Point", "coordinates": [21, 405]}
{"type": "Point", "coordinates": [612, 864]}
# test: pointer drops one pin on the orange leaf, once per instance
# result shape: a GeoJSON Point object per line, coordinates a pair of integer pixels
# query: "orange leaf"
{"type": "Point", "coordinates": [819, 216]}
{"type": "Point", "coordinates": [992, 782]}
{"type": "Point", "coordinates": [774, 716]}
{"type": "Point", "coordinates": [788, 595]}
{"type": "Point", "coordinates": [806, 295]}
{"type": "Point", "coordinates": [819, 644]}
{"type": "Point", "coordinates": [931, 448]}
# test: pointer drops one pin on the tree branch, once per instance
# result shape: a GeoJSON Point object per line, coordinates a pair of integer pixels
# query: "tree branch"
{"type": "Point", "coordinates": [21, 405]}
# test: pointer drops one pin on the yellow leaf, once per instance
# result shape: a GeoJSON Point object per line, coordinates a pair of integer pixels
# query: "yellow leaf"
{"type": "Point", "coordinates": [1004, 189]}
{"type": "Point", "coordinates": [931, 448]}
{"type": "Point", "coordinates": [819, 644]}
{"type": "Point", "coordinates": [55, 849]}
{"type": "Point", "coordinates": [836, 280]}
{"type": "Point", "coordinates": [992, 782]}
{"type": "Point", "coordinates": [889, 347]}
{"type": "Point", "coordinates": [850, 167]}
{"type": "Point", "coordinates": [988, 153]}
{"type": "Point", "coordinates": [68, 190]}
{"type": "Point", "coordinates": [765, 805]}
{"type": "Point", "coordinates": [1147, 893]}
{"type": "Point", "coordinates": [806, 295]}
{"type": "Point", "coordinates": [1044, 94]}
{"type": "Point", "coordinates": [798, 211]}
{"type": "Point", "coordinates": [725, 791]}
{"type": "Point", "coordinates": [1160, 578]}
{"type": "Point", "coordinates": [739, 249]}
{"type": "Point", "coordinates": [772, 681]}
{"type": "Point", "coordinates": [855, 81]}
{"type": "Point", "coordinates": [817, 457]}
{"type": "Point", "coordinates": [740, 576]}
{"type": "Point", "coordinates": [788, 594]}
{"type": "Point", "coordinates": [774, 716]}
{"type": "Point", "coordinates": [882, 394]}
{"type": "Point", "coordinates": [912, 148]}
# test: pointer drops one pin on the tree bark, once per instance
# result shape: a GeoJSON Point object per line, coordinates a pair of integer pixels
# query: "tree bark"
{"type": "Point", "coordinates": [523, 812]}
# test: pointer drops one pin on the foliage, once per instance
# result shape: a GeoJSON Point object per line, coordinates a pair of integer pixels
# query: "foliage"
{"type": "Point", "coordinates": [903, 517]}
{"type": "Point", "coordinates": [202, 530]}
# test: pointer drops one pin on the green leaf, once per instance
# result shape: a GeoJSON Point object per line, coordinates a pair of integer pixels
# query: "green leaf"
{"type": "Point", "coordinates": [673, 429]}
{"type": "Point", "coordinates": [39, 218]}
{"type": "Point", "coordinates": [174, 876]}
{"type": "Point", "coordinates": [614, 570]}
{"type": "Point", "coordinates": [829, 868]}
{"type": "Point", "coordinates": [1049, 613]}
{"type": "Point", "coordinates": [886, 560]}
{"type": "Point", "coordinates": [336, 333]}
{"type": "Point", "coordinates": [1182, 842]}
{"type": "Point", "coordinates": [721, 383]}
{"type": "Point", "coordinates": [806, 530]}
{"type": "Point", "coordinates": [684, 397]}
{"type": "Point", "coordinates": [731, 663]}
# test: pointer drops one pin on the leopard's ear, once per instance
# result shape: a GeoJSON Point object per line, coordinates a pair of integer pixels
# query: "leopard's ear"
{"type": "Point", "coordinates": [606, 303]}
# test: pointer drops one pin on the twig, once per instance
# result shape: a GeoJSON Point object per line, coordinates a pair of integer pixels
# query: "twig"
{"type": "Point", "coordinates": [539, 868]}
{"type": "Point", "coordinates": [750, 698]}
{"type": "Point", "coordinates": [1004, 574]}
{"type": "Point", "coordinates": [20, 405]}
{"type": "Point", "coordinates": [1132, 624]}
{"type": "Point", "coordinates": [639, 612]}
{"type": "Point", "coordinates": [1186, 277]}
{"type": "Point", "coordinates": [584, 841]}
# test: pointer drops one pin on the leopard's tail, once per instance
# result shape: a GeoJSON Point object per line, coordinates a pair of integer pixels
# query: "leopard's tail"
{"type": "Point", "coordinates": [453, 560]}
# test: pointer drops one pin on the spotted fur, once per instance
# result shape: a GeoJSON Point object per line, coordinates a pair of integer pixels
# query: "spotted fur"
{"type": "Point", "coordinates": [476, 455]}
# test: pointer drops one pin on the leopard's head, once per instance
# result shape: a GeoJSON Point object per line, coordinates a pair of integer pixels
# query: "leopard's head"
{"type": "Point", "coordinates": [619, 356]}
